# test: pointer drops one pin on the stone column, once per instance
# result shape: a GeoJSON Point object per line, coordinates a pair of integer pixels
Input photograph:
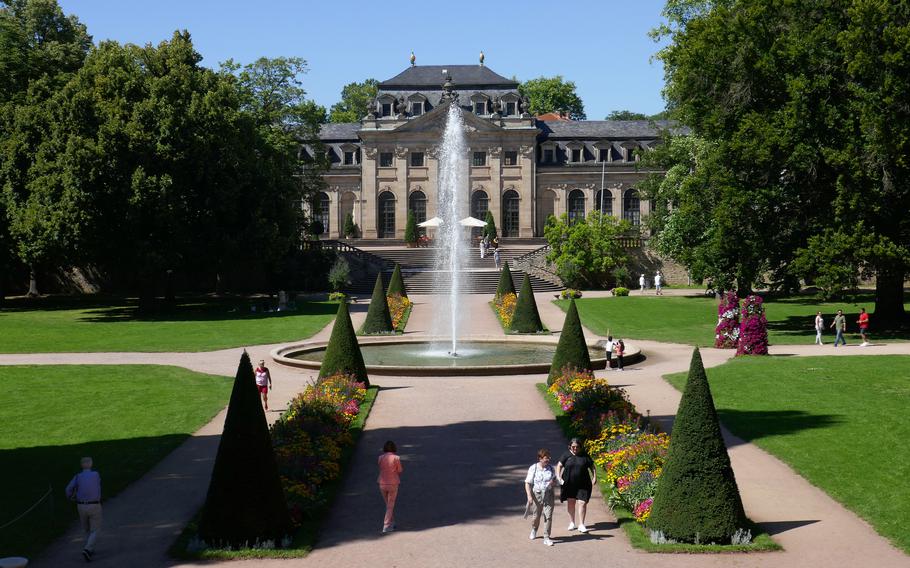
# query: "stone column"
{"type": "Point", "coordinates": [366, 207]}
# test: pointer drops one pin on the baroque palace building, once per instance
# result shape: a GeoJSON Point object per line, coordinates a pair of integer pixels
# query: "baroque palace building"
{"type": "Point", "coordinates": [522, 168]}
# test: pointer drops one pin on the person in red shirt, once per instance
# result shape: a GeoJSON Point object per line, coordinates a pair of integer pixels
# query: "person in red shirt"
{"type": "Point", "coordinates": [389, 478]}
{"type": "Point", "coordinates": [863, 322]}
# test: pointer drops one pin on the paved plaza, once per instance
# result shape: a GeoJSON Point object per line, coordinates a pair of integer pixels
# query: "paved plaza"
{"type": "Point", "coordinates": [466, 443]}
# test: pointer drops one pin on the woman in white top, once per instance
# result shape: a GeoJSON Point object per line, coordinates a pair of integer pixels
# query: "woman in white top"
{"type": "Point", "coordinates": [819, 326]}
{"type": "Point", "coordinates": [263, 382]}
{"type": "Point", "coordinates": [539, 485]}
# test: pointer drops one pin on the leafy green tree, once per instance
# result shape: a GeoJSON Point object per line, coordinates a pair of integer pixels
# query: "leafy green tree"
{"type": "Point", "coordinates": [506, 285]}
{"type": "Point", "coordinates": [355, 101]}
{"type": "Point", "coordinates": [410, 229]}
{"type": "Point", "coordinates": [697, 498]}
{"type": "Point", "coordinates": [340, 274]}
{"type": "Point", "coordinates": [552, 94]}
{"type": "Point", "coordinates": [378, 319]}
{"type": "Point", "coordinates": [489, 230]}
{"type": "Point", "coordinates": [587, 251]}
{"type": "Point", "coordinates": [245, 503]}
{"type": "Point", "coordinates": [396, 283]}
{"type": "Point", "coordinates": [526, 318]}
{"type": "Point", "coordinates": [803, 106]}
{"type": "Point", "coordinates": [342, 354]}
{"type": "Point", "coordinates": [572, 349]}
{"type": "Point", "coordinates": [626, 115]}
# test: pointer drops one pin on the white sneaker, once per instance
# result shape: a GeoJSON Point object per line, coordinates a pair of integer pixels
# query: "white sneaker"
{"type": "Point", "coordinates": [863, 344]}
{"type": "Point", "coordinates": [533, 534]}
{"type": "Point", "coordinates": [582, 529]}
{"type": "Point", "coordinates": [547, 541]}
{"type": "Point", "coordinates": [571, 526]}
{"type": "Point", "coordinates": [388, 529]}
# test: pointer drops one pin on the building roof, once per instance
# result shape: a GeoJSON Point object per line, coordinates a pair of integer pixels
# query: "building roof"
{"type": "Point", "coordinates": [605, 128]}
{"type": "Point", "coordinates": [430, 76]}
{"type": "Point", "coordinates": [339, 131]}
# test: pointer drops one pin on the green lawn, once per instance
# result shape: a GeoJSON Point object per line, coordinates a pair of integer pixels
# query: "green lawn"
{"type": "Point", "coordinates": [691, 319]}
{"type": "Point", "coordinates": [838, 421]}
{"type": "Point", "coordinates": [86, 324]}
{"type": "Point", "coordinates": [127, 417]}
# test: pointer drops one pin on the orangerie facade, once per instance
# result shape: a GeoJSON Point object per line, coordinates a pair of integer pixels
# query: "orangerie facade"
{"type": "Point", "coordinates": [522, 169]}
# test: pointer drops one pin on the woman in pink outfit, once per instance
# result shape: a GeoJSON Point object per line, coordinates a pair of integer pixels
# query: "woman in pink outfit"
{"type": "Point", "coordinates": [389, 479]}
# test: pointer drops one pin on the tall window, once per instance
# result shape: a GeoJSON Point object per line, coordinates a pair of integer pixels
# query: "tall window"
{"type": "Point", "coordinates": [386, 159]}
{"type": "Point", "coordinates": [386, 228]}
{"type": "Point", "coordinates": [510, 204]}
{"type": "Point", "coordinates": [417, 204]}
{"type": "Point", "coordinates": [606, 207]}
{"type": "Point", "coordinates": [321, 210]}
{"type": "Point", "coordinates": [576, 206]}
{"type": "Point", "coordinates": [631, 210]}
{"type": "Point", "coordinates": [480, 204]}
{"type": "Point", "coordinates": [416, 159]}
{"type": "Point", "coordinates": [480, 159]}
{"type": "Point", "coordinates": [510, 157]}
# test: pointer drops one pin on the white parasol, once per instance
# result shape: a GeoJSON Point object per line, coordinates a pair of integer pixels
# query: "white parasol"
{"type": "Point", "coordinates": [434, 222]}
{"type": "Point", "coordinates": [472, 222]}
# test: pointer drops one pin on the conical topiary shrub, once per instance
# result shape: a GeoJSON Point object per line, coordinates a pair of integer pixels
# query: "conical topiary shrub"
{"type": "Point", "coordinates": [342, 355]}
{"type": "Point", "coordinates": [506, 286]}
{"type": "Point", "coordinates": [526, 318]}
{"type": "Point", "coordinates": [572, 349]}
{"type": "Point", "coordinates": [489, 230]}
{"type": "Point", "coordinates": [379, 320]}
{"type": "Point", "coordinates": [245, 504]}
{"type": "Point", "coordinates": [697, 499]}
{"type": "Point", "coordinates": [396, 284]}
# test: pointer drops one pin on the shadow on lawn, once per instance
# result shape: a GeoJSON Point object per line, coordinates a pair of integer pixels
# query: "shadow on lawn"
{"type": "Point", "coordinates": [28, 473]}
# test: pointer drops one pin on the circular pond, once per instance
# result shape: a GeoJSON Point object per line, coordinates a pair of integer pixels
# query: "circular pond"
{"type": "Point", "coordinates": [422, 357]}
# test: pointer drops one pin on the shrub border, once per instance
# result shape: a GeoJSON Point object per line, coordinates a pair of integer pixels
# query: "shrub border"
{"type": "Point", "coordinates": [306, 536]}
{"type": "Point", "coordinates": [638, 536]}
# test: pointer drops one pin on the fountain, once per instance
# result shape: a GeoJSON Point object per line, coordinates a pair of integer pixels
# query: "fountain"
{"type": "Point", "coordinates": [453, 206]}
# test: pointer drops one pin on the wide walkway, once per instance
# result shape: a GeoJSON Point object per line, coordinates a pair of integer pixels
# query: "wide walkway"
{"type": "Point", "coordinates": [466, 443]}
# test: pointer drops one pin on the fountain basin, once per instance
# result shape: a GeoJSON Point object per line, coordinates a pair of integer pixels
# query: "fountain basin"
{"type": "Point", "coordinates": [478, 356]}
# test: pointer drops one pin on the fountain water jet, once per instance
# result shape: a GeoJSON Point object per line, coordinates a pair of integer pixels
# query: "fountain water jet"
{"type": "Point", "coordinates": [451, 246]}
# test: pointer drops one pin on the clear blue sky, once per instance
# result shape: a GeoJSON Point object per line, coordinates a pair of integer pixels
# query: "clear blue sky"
{"type": "Point", "coordinates": [602, 46]}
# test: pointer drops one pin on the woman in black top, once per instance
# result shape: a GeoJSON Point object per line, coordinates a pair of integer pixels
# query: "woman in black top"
{"type": "Point", "coordinates": [575, 473]}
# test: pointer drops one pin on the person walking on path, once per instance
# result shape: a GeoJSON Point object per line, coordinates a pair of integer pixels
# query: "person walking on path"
{"type": "Point", "coordinates": [819, 326]}
{"type": "Point", "coordinates": [641, 283]}
{"type": "Point", "coordinates": [539, 487]}
{"type": "Point", "coordinates": [658, 280]}
{"type": "Point", "coordinates": [863, 322]}
{"type": "Point", "coordinates": [575, 474]}
{"type": "Point", "coordinates": [263, 382]}
{"type": "Point", "coordinates": [620, 349]}
{"type": "Point", "coordinates": [389, 479]}
{"type": "Point", "coordinates": [840, 326]}
{"type": "Point", "coordinates": [496, 259]}
{"type": "Point", "coordinates": [85, 490]}
{"type": "Point", "coordinates": [483, 246]}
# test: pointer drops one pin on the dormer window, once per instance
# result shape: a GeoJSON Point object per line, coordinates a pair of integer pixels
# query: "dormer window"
{"type": "Point", "coordinates": [349, 158]}
{"type": "Point", "coordinates": [548, 156]}
{"type": "Point", "coordinates": [385, 109]}
{"type": "Point", "coordinates": [575, 152]}
{"type": "Point", "coordinates": [511, 109]}
{"type": "Point", "coordinates": [603, 155]}
{"type": "Point", "coordinates": [576, 155]}
{"type": "Point", "coordinates": [417, 104]}
{"type": "Point", "coordinates": [416, 108]}
{"type": "Point", "coordinates": [350, 155]}
{"type": "Point", "coordinates": [480, 107]}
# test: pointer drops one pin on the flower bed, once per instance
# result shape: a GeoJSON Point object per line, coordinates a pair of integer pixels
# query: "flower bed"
{"type": "Point", "coordinates": [399, 309]}
{"type": "Point", "coordinates": [505, 308]}
{"type": "Point", "coordinates": [629, 455]}
{"type": "Point", "coordinates": [309, 440]}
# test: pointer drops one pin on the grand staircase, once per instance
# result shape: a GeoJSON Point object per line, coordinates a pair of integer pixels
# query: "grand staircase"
{"type": "Point", "coordinates": [421, 277]}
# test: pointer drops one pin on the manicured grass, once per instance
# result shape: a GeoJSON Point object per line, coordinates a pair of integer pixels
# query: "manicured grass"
{"type": "Point", "coordinates": [127, 417]}
{"type": "Point", "coordinates": [308, 533]}
{"type": "Point", "coordinates": [88, 324]}
{"type": "Point", "coordinates": [838, 421]}
{"type": "Point", "coordinates": [691, 319]}
{"type": "Point", "coordinates": [638, 535]}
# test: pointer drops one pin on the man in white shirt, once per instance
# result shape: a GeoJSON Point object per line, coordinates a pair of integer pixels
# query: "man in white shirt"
{"type": "Point", "coordinates": [658, 280]}
{"type": "Point", "coordinates": [641, 283]}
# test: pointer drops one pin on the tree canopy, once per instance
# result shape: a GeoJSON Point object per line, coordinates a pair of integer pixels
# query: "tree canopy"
{"type": "Point", "coordinates": [355, 101]}
{"type": "Point", "coordinates": [801, 110]}
{"type": "Point", "coordinates": [552, 94]}
{"type": "Point", "coordinates": [626, 115]}
{"type": "Point", "coordinates": [587, 251]}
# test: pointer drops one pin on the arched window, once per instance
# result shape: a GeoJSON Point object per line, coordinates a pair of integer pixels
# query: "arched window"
{"type": "Point", "coordinates": [576, 206]}
{"type": "Point", "coordinates": [386, 225]}
{"type": "Point", "coordinates": [417, 204]}
{"type": "Point", "coordinates": [605, 206]}
{"type": "Point", "coordinates": [480, 204]}
{"type": "Point", "coordinates": [631, 209]}
{"type": "Point", "coordinates": [321, 210]}
{"type": "Point", "coordinates": [347, 208]}
{"type": "Point", "coordinates": [510, 204]}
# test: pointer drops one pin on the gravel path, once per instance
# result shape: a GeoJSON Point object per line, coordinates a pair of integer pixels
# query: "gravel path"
{"type": "Point", "coordinates": [466, 443]}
